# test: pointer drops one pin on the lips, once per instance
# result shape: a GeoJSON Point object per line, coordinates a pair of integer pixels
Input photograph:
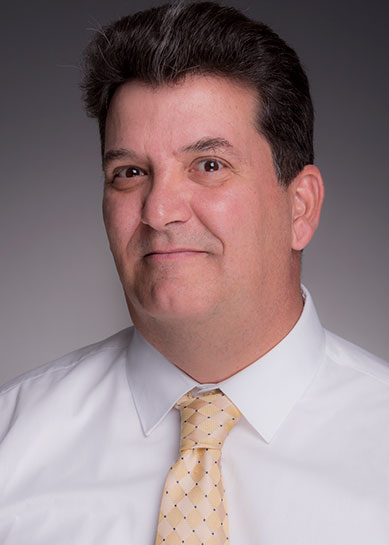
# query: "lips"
{"type": "Point", "coordinates": [173, 254]}
{"type": "Point", "coordinates": [175, 251]}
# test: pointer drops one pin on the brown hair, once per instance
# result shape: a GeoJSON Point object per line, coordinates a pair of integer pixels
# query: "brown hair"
{"type": "Point", "coordinates": [162, 45]}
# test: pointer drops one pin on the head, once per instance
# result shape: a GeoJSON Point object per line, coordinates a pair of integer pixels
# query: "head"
{"type": "Point", "coordinates": [163, 45]}
{"type": "Point", "coordinates": [206, 128]}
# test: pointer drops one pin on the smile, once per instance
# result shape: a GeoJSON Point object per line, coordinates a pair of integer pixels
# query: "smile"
{"type": "Point", "coordinates": [174, 255]}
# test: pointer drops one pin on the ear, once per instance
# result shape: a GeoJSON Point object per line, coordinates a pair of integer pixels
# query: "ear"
{"type": "Point", "coordinates": [307, 193]}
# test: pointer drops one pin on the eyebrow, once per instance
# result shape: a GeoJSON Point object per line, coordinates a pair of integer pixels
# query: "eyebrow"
{"type": "Point", "coordinates": [204, 144]}
{"type": "Point", "coordinates": [117, 154]}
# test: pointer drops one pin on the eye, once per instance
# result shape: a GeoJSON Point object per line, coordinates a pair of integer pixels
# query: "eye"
{"type": "Point", "coordinates": [129, 172]}
{"type": "Point", "coordinates": [209, 165]}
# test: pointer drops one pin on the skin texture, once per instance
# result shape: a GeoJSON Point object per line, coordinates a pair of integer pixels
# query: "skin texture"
{"type": "Point", "coordinates": [204, 237]}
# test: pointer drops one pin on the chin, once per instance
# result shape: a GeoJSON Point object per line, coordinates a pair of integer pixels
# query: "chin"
{"type": "Point", "coordinates": [169, 307]}
{"type": "Point", "coordinates": [180, 311]}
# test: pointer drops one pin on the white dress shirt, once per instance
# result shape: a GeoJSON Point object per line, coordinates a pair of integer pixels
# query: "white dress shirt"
{"type": "Point", "coordinates": [87, 441]}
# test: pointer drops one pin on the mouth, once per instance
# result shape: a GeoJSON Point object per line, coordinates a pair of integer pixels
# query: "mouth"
{"type": "Point", "coordinates": [174, 254]}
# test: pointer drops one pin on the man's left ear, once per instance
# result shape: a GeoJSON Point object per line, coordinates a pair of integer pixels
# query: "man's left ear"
{"type": "Point", "coordinates": [307, 193]}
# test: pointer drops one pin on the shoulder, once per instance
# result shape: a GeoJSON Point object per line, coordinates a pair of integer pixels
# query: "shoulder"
{"type": "Point", "coordinates": [82, 365]}
{"type": "Point", "coordinates": [356, 359]}
{"type": "Point", "coordinates": [62, 411]}
{"type": "Point", "coordinates": [66, 363]}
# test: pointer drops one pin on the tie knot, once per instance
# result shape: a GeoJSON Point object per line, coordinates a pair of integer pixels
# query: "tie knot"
{"type": "Point", "coordinates": [206, 420]}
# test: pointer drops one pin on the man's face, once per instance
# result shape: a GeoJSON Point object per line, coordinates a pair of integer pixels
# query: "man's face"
{"type": "Point", "coordinates": [197, 222]}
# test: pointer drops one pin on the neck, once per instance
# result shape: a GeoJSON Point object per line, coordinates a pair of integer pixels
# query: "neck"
{"type": "Point", "coordinates": [212, 350]}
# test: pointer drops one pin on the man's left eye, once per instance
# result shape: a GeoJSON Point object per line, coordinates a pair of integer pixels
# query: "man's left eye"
{"type": "Point", "coordinates": [209, 165]}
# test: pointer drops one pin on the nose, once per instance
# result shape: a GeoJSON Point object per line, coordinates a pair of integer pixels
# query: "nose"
{"type": "Point", "coordinates": [166, 202]}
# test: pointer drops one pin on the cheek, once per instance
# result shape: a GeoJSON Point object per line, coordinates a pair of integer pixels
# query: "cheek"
{"type": "Point", "coordinates": [244, 217]}
{"type": "Point", "coordinates": [231, 214]}
{"type": "Point", "coordinates": [121, 217]}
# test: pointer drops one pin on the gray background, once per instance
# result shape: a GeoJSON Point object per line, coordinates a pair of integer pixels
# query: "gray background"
{"type": "Point", "coordinates": [59, 288]}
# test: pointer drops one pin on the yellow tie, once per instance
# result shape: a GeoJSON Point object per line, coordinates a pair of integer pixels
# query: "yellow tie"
{"type": "Point", "coordinates": [193, 507]}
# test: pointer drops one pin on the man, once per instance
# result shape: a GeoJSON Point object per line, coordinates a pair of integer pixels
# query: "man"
{"type": "Point", "coordinates": [210, 197]}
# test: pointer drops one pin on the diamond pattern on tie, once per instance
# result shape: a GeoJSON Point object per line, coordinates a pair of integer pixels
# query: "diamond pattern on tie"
{"type": "Point", "coordinates": [193, 507]}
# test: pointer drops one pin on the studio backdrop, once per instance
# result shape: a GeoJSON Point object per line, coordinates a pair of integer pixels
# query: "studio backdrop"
{"type": "Point", "coordinates": [59, 288]}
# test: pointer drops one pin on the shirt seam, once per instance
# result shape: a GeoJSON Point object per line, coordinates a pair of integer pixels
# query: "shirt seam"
{"type": "Point", "coordinates": [51, 371]}
{"type": "Point", "coordinates": [357, 369]}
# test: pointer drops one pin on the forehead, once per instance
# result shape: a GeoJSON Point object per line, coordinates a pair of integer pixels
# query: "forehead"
{"type": "Point", "coordinates": [177, 114]}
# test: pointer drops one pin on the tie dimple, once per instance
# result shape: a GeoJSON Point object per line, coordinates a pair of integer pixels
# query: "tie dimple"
{"type": "Point", "coordinates": [193, 507]}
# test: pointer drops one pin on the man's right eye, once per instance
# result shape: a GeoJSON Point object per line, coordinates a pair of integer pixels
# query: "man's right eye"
{"type": "Point", "coordinates": [129, 172]}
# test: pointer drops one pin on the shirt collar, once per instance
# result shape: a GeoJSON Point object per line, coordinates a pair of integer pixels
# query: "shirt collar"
{"type": "Point", "coordinates": [265, 392]}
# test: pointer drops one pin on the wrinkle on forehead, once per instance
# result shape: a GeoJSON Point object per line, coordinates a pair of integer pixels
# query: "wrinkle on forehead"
{"type": "Point", "coordinates": [200, 113]}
